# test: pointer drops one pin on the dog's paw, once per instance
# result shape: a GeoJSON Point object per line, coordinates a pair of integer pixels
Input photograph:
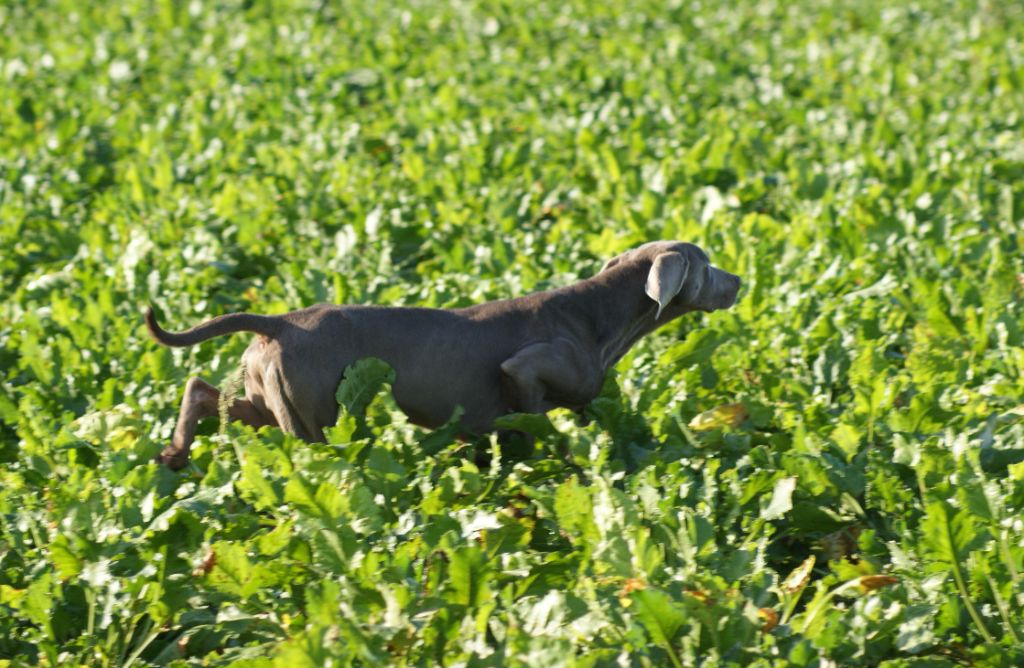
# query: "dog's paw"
{"type": "Point", "coordinates": [172, 459]}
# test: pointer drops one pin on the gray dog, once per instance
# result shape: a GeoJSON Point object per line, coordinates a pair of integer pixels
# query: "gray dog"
{"type": "Point", "coordinates": [528, 354]}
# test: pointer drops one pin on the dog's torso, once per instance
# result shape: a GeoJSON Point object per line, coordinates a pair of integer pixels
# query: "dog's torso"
{"type": "Point", "coordinates": [442, 359]}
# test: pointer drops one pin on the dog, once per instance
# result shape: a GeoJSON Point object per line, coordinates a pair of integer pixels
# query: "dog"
{"type": "Point", "coordinates": [529, 354]}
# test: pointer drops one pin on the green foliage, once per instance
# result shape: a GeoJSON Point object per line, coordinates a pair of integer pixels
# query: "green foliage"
{"type": "Point", "coordinates": [830, 472]}
{"type": "Point", "coordinates": [363, 381]}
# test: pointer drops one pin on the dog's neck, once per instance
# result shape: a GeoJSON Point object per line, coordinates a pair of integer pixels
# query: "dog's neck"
{"type": "Point", "coordinates": [613, 311]}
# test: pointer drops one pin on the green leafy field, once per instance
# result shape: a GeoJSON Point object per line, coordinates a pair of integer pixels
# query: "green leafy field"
{"type": "Point", "coordinates": [829, 474]}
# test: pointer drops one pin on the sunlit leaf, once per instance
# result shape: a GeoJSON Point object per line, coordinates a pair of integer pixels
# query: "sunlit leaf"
{"type": "Point", "coordinates": [781, 501]}
{"type": "Point", "coordinates": [728, 415]}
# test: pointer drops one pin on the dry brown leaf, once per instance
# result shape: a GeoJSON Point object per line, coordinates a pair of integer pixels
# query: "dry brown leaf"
{"type": "Point", "coordinates": [770, 617]}
{"type": "Point", "coordinates": [873, 582]}
{"type": "Point", "coordinates": [800, 576]}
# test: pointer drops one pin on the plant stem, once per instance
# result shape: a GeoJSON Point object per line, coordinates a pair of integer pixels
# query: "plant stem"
{"type": "Point", "coordinates": [1004, 549]}
{"type": "Point", "coordinates": [791, 602]}
{"type": "Point", "coordinates": [1003, 611]}
{"type": "Point", "coordinates": [154, 631]}
{"type": "Point", "coordinates": [961, 585]}
{"type": "Point", "coordinates": [813, 612]}
{"type": "Point", "coordinates": [90, 623]}
{"type": "Point", "coordinates": [672, 655]}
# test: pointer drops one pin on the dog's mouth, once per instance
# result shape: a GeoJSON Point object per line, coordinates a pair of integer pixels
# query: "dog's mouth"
{"type": "Point", "coordinates": [719, 303]}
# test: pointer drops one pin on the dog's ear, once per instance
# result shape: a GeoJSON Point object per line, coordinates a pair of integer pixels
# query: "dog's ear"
{"type": "Point", "coordinates": [666, 278]}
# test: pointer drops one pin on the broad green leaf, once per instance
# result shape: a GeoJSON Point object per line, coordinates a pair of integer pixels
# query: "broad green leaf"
{"type": "Point", "coordinates": [254, 485]}
{"type": "Point", "coordinates": [574, 510]}
{"type": "Point", "coordinates": [325, 502]}
{"type": "Point", "coordinates": [361, 383]}
{"type": "Point", "coordinates": [949, 535]}
{"type": "Point", "coordinates": [537, 425]}
{"type": "Point", "coordinates": [38, 602]}
{"type": "Point", "coordinates": [275, 541]}
{"type": "Point", "coordinates": [696, 349]}
{"type": "Point", "coordinates": [67, 563]}
{"type": "Point", "coordinates": [469, 576]}
{"type": "Point", "coordinates": [916, 632]}
{"type": "Point", "coordinates": [661, 616]}
{"type": "Point", "coordinates": [232, 571]}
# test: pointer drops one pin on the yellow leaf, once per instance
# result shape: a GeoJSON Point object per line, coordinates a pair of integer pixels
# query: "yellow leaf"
{"type": "Point", "coordinates": [11, 596]}
{"type": "Point", "coordinates": [729, 415]}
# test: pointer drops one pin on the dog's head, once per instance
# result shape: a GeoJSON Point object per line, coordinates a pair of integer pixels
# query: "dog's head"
{"type": "Point", "coordinates": [680, 278]}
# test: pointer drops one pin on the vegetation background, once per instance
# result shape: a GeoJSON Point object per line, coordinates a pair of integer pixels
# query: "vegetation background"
{"type": "Point", "coordinates": [828, 474]}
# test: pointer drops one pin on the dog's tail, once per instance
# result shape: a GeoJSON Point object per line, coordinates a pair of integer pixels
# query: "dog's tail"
{"type": "Point", "coordinates": [230, 323]}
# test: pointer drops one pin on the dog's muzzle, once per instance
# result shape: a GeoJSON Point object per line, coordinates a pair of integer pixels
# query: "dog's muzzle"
{"type": "Point", "coordinates": [724, 289]}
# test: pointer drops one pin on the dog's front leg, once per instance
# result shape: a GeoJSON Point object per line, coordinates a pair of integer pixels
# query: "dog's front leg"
{"type": "Point", "coordinates": [549, 374]}
{"type": "Point", "coordinates": [546, 375]}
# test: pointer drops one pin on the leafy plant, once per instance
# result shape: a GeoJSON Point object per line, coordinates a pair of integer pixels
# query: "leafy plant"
{"type": "Point", "coordinates": [830, 472]}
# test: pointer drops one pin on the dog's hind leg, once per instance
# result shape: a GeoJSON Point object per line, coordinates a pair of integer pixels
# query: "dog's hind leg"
{"type": "Point", "coordinates": [201, 400]}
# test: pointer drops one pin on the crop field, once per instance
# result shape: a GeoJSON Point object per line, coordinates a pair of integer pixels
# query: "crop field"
{"type": "Point", "coordinates": [831, 473]}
